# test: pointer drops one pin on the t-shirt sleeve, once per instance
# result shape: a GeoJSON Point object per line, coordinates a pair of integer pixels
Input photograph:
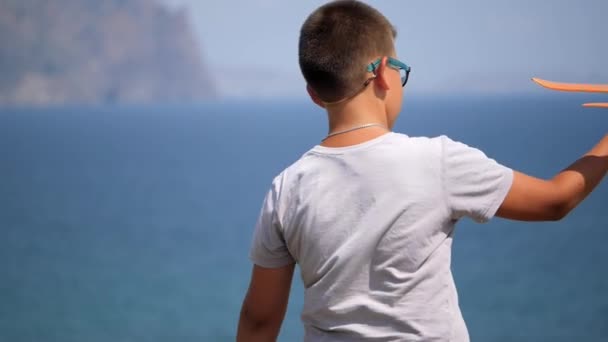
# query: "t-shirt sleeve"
{"type": "Point", "coordinates": [474, 185]}
{"type": "Point", "coordinates": [268, 248]}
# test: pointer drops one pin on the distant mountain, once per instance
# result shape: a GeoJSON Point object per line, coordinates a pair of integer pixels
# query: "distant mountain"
{"type": "Point", "coordinates": [55, 52]}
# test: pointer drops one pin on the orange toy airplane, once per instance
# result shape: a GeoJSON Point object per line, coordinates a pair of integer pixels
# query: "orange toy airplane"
{"type": "Point", "coordinates": [580, 87]}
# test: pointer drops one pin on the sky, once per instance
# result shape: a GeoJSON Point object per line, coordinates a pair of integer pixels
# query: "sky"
{"type": "Point", "coordinates": [454, 47]}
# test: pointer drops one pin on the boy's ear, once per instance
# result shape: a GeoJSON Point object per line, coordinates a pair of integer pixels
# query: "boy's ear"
{"type": "Point", "coordinates": [314, 97]}
{"type": "Point", "coordinates": [381, 74]}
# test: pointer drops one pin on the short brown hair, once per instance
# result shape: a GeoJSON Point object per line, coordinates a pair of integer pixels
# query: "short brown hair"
{"type": "Point", "coordinates": [336, 42]}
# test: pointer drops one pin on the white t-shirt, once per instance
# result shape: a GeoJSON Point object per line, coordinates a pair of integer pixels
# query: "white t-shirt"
{"type": "Point", "coordinates": [371, 227]}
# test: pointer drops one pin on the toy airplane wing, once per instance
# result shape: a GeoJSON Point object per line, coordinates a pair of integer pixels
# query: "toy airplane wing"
{"type": "Point", "coordinates": [596, 105]}
{"type": "Point", "coordinates": [576, 87]}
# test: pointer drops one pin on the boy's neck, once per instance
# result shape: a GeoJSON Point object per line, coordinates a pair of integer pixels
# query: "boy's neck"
{"type": "Point", "coordinates": [359, 111]}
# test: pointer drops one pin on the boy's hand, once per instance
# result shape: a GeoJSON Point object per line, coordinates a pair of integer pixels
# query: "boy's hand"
{"type": "Point", "coordinates": [265, 304]}
{"type": "Point", "coordinates": [533, 199]}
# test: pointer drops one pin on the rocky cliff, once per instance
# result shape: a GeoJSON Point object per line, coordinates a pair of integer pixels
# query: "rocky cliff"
{"type": "Point", "coordinates": [56, 52]}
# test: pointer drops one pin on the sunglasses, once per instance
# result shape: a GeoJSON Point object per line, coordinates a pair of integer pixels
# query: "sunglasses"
{"type": "Point", "coordinates": [392, 63]}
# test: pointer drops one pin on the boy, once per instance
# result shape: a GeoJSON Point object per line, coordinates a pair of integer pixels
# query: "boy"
{"type": "Point", "coordinates": [368, 214]}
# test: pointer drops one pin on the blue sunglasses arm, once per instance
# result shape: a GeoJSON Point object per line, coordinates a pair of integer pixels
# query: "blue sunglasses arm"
{"type": "Point", "coordinates": [373, 66]}
{"type": "Point", "coordinates": [394, 62]}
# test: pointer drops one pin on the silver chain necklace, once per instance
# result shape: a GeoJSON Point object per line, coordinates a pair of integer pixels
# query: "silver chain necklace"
{"type": "Point", "coordinates": [353, 129]}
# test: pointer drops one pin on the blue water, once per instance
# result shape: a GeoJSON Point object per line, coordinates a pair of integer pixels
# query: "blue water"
{"type": "Point", "coordinates": [133, 224]}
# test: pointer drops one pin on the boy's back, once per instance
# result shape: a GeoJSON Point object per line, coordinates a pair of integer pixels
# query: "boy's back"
{"type": "Point", "coordinates": [371, 227]}
{"type": "Point", "coordinates": [369, 214]}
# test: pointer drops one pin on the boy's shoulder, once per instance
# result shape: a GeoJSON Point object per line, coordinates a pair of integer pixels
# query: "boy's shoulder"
{"type": "Point", "coordinates": [432, 147]}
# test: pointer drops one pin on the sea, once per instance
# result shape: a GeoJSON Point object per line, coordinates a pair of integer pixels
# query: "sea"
{"type": "Point", "coordinates": [133, 223]}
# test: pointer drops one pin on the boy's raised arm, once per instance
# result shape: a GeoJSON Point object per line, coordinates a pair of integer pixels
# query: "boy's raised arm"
{"type": "Point", "coordinates": [533, 199]}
